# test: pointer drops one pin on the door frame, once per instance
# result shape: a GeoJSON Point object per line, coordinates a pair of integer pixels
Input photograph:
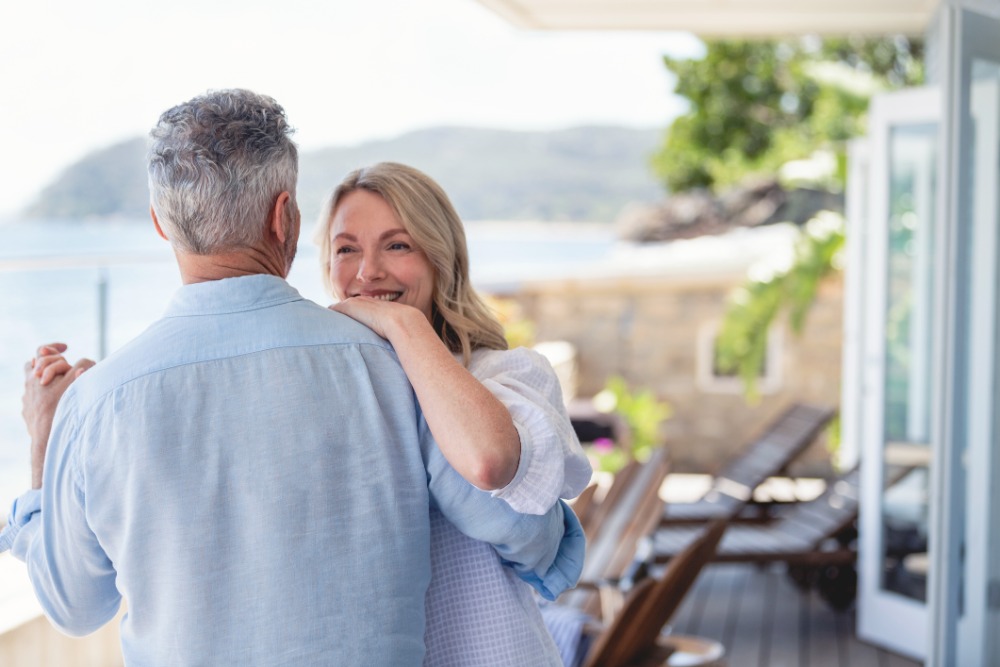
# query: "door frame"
{"type": "Point", "coordinates": [884, 618]}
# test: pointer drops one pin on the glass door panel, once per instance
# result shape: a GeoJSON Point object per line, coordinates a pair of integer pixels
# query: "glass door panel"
{"type": "Point", "coordinates": [898, 387]}
{"type": "Point", "coordinates": [965, 582]}
{"type": "Point", "coordinates": [908, 336]}
{"type": "Point", "coordinates": [979, 465]}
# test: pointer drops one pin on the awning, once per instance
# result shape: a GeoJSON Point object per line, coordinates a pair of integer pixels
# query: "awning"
{"type": "Point", "coordinates": [722, 18]}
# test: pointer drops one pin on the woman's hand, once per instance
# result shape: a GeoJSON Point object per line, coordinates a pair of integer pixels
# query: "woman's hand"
{"type": "Point", "coordinates": [49, 363]}
{"type": "Point", "coordinates": [46, 378]}
{"type": "Point", "coordinates": [383, 317]}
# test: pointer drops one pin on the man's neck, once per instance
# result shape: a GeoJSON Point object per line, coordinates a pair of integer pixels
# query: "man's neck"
{"type": "Point", "coordinates": [243, 262]}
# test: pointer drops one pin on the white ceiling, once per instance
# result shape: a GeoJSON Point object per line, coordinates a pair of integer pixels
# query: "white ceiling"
{"type": "Point", "coordinates": [718, 18]}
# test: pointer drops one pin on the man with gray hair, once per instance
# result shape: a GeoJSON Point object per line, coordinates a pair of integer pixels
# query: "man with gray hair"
{"type": "Point", "coordinates": [252, 473]}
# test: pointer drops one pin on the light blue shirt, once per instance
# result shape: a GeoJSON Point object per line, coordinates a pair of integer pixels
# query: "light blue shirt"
{"type": "Point", "coordinates": [253, 475]}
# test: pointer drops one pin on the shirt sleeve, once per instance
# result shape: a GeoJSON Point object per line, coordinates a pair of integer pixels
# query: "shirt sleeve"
{"type": "Point", "coordinates": [545, 550]}
{"type": "Point", "coordinates": [22, 512]}
{"type": "Point", "coordinates": [72, 576]}
{"type": "Point", "coordinates": [553, 464]}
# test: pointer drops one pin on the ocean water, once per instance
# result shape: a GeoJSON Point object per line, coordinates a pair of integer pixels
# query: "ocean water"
{"type": "Point", "coordinates": [50, 273]}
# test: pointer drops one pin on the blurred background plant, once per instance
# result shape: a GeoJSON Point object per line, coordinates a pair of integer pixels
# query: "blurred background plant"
{"type": "Point", "coordinates": [757, 104]}
{"type": "Point", "coordinates": [741, 345]}
{"type": "Point", "coordinates": [518, 329]}
{"type": "Point", "coordinates": [642, 413]}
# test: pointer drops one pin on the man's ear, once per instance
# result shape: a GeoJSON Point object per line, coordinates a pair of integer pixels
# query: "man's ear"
{"type": "Point", "coordinates": [156, 223]}
{"type": "Point", "coordinates": [277, 222]}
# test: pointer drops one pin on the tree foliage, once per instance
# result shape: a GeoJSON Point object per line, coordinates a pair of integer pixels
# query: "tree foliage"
{"type": "Point", "coordinates": [742, 341]}
{"type": "Point", "coordinates": [755, 105]}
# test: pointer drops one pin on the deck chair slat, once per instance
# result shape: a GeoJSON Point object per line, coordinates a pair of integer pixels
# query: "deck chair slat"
{"type": "Point", "coordinates": [767, 455]}
{"type": "Point", "coordinates": [634, 511]}
{"type": "Point", "coordinates": [635, 636]}
{"type": "Point", "coordinates": [805, 532]}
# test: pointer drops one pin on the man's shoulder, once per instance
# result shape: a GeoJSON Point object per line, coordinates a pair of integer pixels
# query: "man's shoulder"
{"type": "Point", "coordinates": [171, 343]}
{"type": "Point", "coordinates": [328, 324]}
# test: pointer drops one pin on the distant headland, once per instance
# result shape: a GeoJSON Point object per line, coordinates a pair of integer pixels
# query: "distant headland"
{"type": "Point", "coordinates": [579, 174]}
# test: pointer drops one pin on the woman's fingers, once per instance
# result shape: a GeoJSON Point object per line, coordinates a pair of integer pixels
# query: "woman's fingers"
{"type": "Point", "coordinates": [45, 356]}
{"type": "Point", "coordinates": [83, 365]}
{"type": "Point", "coordinates": [50, 348]}
{"type": "Point", "coordinates": [51, 365]}
{"type": "Point", "coordinates": [53, 370]}
{"type": "Point", "coordinates": [369, 312]}
{"type": "Point", "coordinates": [41, 363]}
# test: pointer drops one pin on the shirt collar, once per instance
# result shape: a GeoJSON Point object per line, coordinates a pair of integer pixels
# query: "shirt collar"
{"type": "Point", "coordinates": [231, 295]}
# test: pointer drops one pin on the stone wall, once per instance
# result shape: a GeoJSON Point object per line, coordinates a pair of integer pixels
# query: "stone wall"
{"type": "Point", "coordinates": [647, 329]}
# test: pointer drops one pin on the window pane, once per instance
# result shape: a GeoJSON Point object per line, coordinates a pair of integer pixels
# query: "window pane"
{"type": "Point", "coordinates": [908, 359]}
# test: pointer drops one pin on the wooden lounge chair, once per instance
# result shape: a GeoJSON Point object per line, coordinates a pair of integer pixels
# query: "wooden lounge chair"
{"type": "Point", "coordinates": [768, 455]}
{"type": "Point", "coordinates": [634, 638]}
{"type": "Point", "coordinates": [630, 511]}
{"type": "Point", "coordinates": [805, 533]}
{"type": "Point", "coordinates": [590, 425]}
{"type": "Point", "coordinates": [815, 538]}
{"type": "Point", "coordinates": [596, 511]}
{"type": "Point", "coordinates": [585, 504]}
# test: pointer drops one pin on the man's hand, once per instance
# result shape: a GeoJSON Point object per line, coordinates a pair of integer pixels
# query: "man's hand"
{"type": "Point", "coordinates": [46, 378]}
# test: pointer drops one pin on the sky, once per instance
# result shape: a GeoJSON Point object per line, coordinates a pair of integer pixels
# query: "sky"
{"type": "Point", "coordinates": [78, 76]}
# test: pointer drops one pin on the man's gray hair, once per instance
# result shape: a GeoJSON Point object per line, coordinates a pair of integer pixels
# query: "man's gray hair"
{"type": "Point", "coordinates": [216, 166]}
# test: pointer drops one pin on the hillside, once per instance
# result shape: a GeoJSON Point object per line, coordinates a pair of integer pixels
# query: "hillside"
{"type": "Point", "coordinates": [578, 174]}
{"type": "Point", "coordinates": [106, 183]}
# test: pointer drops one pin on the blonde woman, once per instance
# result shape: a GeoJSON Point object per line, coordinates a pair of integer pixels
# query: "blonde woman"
{"type": "Point", "coordinates": [393, 252]}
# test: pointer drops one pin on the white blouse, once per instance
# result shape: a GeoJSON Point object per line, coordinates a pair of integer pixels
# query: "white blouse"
{"type": "Point", "coordinates": [479, 614]}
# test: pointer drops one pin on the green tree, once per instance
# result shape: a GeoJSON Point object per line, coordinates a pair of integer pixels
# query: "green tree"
{"type": "Point", "coordinates": [742, 340]}
{"type": "Point", "coordinates": [755, 105]}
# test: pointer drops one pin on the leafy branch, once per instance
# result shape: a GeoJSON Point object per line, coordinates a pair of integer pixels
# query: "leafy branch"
{"type": "Point", "coordinates": [741, 345]}
{"type": "Point", "coordinates": [756, 104]}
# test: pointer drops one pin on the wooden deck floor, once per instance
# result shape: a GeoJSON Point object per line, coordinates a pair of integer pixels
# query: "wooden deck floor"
{"type": "Point", "coordinates": [765, 621]}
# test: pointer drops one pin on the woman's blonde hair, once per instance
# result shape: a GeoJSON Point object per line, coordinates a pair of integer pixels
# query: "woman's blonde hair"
{"type": "Point", "coordinates": [459, 315]}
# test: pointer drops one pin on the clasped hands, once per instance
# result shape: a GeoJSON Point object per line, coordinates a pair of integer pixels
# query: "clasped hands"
{"type": "Point", "coordinates": [47, 376]}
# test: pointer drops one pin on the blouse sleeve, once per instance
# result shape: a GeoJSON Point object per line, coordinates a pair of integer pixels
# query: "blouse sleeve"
{"type": "Point", "coordinates": [552, 463]}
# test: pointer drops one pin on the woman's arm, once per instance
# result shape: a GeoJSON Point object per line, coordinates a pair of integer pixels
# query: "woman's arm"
{"type": "Point", "coordinates": [473, 429]}
{"type": "Point", "coordinates": [553, 465]}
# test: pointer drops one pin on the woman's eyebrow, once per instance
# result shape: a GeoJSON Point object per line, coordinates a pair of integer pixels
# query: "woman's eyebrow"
{"type": "Point", "coordinates": [384, 235]}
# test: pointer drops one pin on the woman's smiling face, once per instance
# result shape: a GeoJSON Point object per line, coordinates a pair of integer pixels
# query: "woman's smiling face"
{"type": "Point", "coordinates": [371, 254]}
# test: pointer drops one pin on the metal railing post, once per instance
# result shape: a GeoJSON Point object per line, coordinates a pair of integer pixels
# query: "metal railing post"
{"type": "Point", "coordinates": [102, 312]}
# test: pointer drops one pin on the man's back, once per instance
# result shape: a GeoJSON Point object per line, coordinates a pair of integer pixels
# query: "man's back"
{"type": "Point", "coordinates": [250, 465]}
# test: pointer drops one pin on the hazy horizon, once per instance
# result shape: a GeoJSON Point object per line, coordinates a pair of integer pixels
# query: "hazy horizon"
{"type": "Point", "coordinates": [80, 77]}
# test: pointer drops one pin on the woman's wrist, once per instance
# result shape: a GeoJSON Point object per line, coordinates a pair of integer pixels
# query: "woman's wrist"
{"type": "Point", "coordinates": [404, 323]}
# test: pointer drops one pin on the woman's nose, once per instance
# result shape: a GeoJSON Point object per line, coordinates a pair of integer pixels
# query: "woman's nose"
{"type": "Point", "coordinates": [370, 270]}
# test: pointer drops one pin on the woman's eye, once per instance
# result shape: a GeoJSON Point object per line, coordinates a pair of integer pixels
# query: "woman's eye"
{"type": "Point", "coordinates": [399, 245]}
{"type": "Point", "coordinates": [343, 250]}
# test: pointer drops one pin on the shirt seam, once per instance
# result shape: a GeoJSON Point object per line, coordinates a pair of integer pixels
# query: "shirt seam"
{"type": "Point", "coordinates": [257, 305]}
{"type": "Point", "coordinates": [124, 383]}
